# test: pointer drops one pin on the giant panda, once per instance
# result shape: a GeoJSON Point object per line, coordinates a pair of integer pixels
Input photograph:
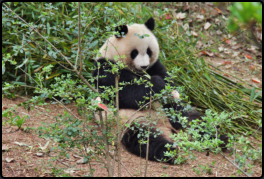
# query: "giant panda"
{"type": "Point", "coordinates": [141, 56]}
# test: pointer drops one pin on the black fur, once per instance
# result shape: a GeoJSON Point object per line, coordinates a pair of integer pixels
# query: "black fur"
{"type": "Point", "coordinates": [150, 24]}
{"type": "Point", "coordinates": [122, 30]}
{"type": "Point", "coordinates": [156, 145]}
{"type": "Point", "coordinates": [130, 95]}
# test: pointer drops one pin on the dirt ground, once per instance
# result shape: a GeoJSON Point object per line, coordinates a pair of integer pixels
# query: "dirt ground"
{"type": "Point", "coordinates": [26, 163]}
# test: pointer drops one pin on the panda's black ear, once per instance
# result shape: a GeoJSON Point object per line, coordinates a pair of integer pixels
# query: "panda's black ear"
{"type": "Point", "coordinates": [122, 30]}
{"type": "Point", "coordinates": [150, 24]}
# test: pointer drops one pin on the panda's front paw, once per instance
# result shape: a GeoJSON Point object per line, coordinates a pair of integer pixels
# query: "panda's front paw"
{"type": "Point", "coordinates": [158, 83]}
{"type": "Point", "coordinates": [224, 138]}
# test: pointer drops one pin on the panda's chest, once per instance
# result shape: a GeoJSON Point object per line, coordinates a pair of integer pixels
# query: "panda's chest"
{"type": "Point", "coordinates": [128, 76]}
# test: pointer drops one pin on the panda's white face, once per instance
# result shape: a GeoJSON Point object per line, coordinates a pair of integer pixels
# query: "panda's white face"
{"type": "Point", "coordinates": [140, 53]}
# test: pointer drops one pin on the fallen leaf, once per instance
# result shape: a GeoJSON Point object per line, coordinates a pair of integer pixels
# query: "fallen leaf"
{"type": "Point", "coordinates": [224, 17]}
{"type": "Point", "coordinates": [39, 154]}
{"type": "Point", "coordinates": [218, 10]}
{"type": "Point", "coordinates": [46, 145]}
{"type": "Point", "coordinates": [227, 75]}
{"type": "Point", "coordinates": [207, 25]}
{"type": "Point", "coordinates": [227, 41]}
{"type": "Point", "coordinates": [228, 66]}
{"type": "Point", "coordinates": [227, 51]}
{"type": "Point", "coordinates": [256, 80]}
{"type": "Point", "coordinates": [220, 49]}
{"type": "Point", "coordinates": [167, 17]}
{"type": "Point", "coordinates": [194, 34]}
{"type": "Point", "coordinates": [209, 4]}
{"type": "Point", "coordinates": [22, 144]}
{"type": "Point", "coordinates": [208, 53]}
{"type": "Point", "coordinates": [217, 21]}
{"type": "Point", "coordinates": [252, 67]}
{"type": "Point", "coordinates": [248, 56]}
{"type": "Point", "coordinates": [180, 15]}
{"type": "Point", "coordinates": [201, 17]}
{"type": "Point", "coordinates": [81, 161]}
{"type": "Point", "coordinates": [237, 46]}
{"type": "Point", "coordinates": [69, 170]}
{"type": "Point", "coordinates": [252, 49]}
{"type": "Point", "coordinates": [4, 107]}
{"type": "Point", "coordinates": [8, 160]}
{"type": "Point", "coordinates": [235, 54]}
{"type": "Point", "coordinates": [226, 62]}
{"type": "Point", "coordinates": [76, 156]}
{"type": "Point", "coordinates": [235, 68]}
{"type": "Point", "coordinates": [259, 35]}
{"type": "Point", "coordinates": [214, 13]}
{"type": "Point", "coordinates": [186, 26]}
{"type": "Point", "coordinates": [202, 11]}
{"type": "Point", "coordinates": [5, 148]}
{"type": "Point", "coordinates": [185, 8]}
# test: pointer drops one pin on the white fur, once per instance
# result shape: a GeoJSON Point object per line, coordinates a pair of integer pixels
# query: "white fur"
{"type": "Point", "coordinates": [126, 44]}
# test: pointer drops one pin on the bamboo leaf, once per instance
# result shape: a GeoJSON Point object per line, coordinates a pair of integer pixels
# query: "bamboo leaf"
{"type": "Point", "coordinates": [252, 94]}
{"type": "Point", "coordinates": [207, 76]}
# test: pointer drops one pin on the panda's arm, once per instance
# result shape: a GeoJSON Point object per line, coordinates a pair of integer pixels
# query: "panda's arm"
{"type": "Point", "coordinates": [131, 94]}
{"type": "Point", "coordinates": [158, 69]}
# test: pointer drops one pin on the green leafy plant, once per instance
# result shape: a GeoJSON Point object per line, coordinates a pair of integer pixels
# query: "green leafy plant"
{"type": "Point", "coordinates": [14, 120]}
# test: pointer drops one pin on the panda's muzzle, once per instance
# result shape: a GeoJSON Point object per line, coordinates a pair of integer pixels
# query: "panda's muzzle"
{"type": "Point", "coordinates": [144, 67]}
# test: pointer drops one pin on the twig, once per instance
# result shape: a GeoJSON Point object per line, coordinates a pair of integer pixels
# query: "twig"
{"type": "Point", "coordinates": [106, 145]}
{"type": "Point", "coordinates": [123, 166]}
{"type": "Point", "coordinates": [147, 153]}
{"type": "Point", "coordinates": [234, 164]}
{"type": "Point", "coordinates": [63, 163]}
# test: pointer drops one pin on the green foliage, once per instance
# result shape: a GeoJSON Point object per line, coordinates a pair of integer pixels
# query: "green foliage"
{"type": "Point", "coordinates": [13, 120]}
{"type": "Point", "coordinates": [202, 169]}
{"type": "Point", "coordinates": [244, 14]}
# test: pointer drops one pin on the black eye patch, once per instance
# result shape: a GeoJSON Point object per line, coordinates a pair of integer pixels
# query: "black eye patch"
{"type": "Point", "coordinates": [134, 54]}
{"type": "Point", "coordinates": [149, 52]}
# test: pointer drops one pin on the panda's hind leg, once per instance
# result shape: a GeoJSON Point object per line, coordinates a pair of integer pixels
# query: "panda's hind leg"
{"type": "Point", "coordinates": [193, 115]}
{"type": "Point", "coordinates": [156, 144]}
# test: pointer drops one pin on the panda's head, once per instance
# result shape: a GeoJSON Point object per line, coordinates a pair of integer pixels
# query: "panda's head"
{"type": "Point", "coordinates": [140, 53]}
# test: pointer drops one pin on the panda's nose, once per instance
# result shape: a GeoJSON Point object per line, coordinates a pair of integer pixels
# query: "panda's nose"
{"type": "Point", "coordinates": [144, 67]}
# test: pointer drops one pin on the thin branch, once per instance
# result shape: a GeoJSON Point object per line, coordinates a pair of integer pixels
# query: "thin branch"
{"type": "Point", "coordinates": [122, 165]}
{"type": "Point", "coordinates": [106, 144]}
{"type": "Point", "coordinates": [147, 153]}
{"type": "Point", "coordinates": [234, 164]}
{"type": "Point", "coordinates": [63, 163]}
{"type": "Point", "coordinates": [118, 127]}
